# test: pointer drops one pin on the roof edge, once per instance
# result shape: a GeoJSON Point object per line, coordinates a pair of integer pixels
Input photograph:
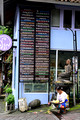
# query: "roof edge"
{"type": "Point", "coordinates": [56, 2]}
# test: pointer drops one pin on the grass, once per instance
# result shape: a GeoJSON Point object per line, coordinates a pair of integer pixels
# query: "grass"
{"type": "Point", "coordinates": [42, 108]}
{"type": "Point", "coordinates": [46, 108]}
{"type": "Point", "coordinates": [76, 107]}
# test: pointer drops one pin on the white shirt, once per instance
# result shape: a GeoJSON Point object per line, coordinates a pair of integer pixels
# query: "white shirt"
{"type": "Point", "coordinates": [62, 97]}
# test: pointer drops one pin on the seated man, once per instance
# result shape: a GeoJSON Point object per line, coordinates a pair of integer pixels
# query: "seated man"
{"type": "Point", "coordinates": [66, 75]}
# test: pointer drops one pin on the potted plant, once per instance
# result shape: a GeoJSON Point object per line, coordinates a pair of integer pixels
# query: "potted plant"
{"type": "Point", "coordinates": [9, 98]}
{"type": "Point", "coordinates": [8, 91]}
{"type": "Point", "coordinates": [7, 86]}
{"type": "Point", "coordinates": [10, 102]}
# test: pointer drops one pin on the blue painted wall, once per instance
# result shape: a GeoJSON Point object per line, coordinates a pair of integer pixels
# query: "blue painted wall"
{"type": "Point", "coordinates": [78, 40]}
{"type": "Point", "coordinates": [43, 97]}
{"type": "Point", "coordinates": [63, 39]}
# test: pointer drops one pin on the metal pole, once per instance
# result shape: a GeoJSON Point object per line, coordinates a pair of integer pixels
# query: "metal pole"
{"type": "Point", "coordinates": [73, 60]}
{"type": "Point", "coordinates": [74, 97]}
{"type": "Point", "coordinates": [74, 48]}
{"type": "Point", "coordinates": [74, 75]}
{"type": "Point", "coordinates": [77, 63]}
{"type": "Point", "coordinates": [56, 63]}
{"type": "Point", "coordinates": [76, 42]}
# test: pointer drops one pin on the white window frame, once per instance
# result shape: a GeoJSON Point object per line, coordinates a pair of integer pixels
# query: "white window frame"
{"type": "Point", "coordinates": [62, 8]}
{"type": "Point", "coordinates": [33, 88]}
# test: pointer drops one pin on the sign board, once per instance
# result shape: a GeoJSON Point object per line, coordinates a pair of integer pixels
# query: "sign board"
{"type": "Point", "coordinates": [27, 24]}
{"type": "Point", "coordinates": [5, 42]}
{"type": "Point", "coordinates": [42, 46]}
{"type": "Point", "coordinates": [34, 45]}
{"type": "Point", "coordinates": [75, 69]}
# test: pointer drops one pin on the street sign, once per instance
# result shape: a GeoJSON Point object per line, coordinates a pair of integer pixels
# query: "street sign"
{"type": "Point", "coordinates": [5, 42]}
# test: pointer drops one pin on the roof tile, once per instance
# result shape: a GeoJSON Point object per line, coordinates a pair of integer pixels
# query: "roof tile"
{"type": "Point", "coordinates": [75, 1]}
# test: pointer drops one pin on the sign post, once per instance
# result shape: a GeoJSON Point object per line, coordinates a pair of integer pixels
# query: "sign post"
{"type": "Point", "coordinates": [75, 79]}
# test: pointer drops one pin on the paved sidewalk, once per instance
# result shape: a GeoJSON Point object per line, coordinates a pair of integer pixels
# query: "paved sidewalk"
{"type": "Point", "coordinates": [28, 116]}
{"type": "Point", "coordinates": [75, 115]}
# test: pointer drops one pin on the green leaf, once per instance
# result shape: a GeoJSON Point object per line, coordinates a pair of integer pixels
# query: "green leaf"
{"type": "Point", "coordinates": [8, 90]}
{"type": "Point", "coordinates": [10, 99]}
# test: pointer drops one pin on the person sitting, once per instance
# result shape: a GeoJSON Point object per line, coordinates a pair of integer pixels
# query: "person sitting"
{"type": "Point", "coordinates": [66, 75]}
{"type": "Point", "coordinates": [63, 99]}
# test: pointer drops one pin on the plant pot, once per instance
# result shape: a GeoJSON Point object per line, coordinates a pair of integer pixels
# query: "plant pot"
{"type": "Point", "coordinates": [10, 107]}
